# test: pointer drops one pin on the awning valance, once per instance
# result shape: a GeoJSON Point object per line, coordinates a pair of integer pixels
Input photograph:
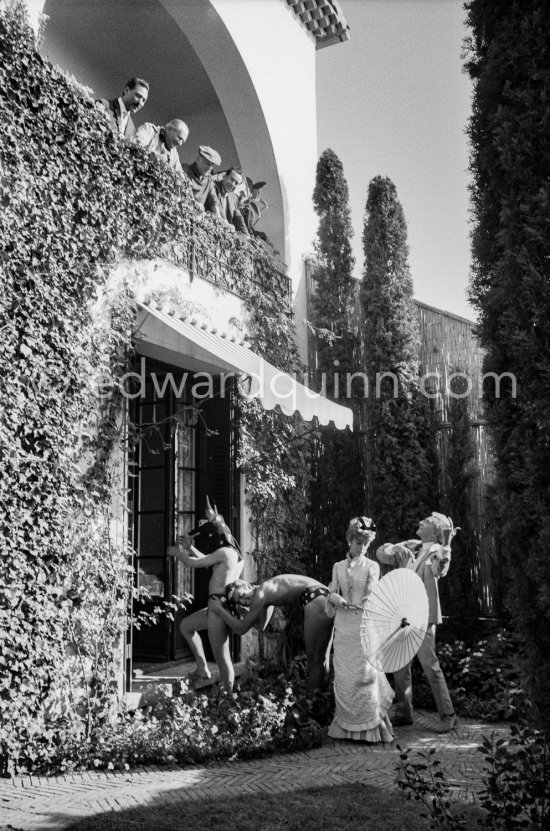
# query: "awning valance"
{"type": "Point", "coordinates": [200, 348]}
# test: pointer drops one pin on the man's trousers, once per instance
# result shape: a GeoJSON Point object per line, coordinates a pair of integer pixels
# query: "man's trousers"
{"type": "Point", "coordinates": [433, 672]}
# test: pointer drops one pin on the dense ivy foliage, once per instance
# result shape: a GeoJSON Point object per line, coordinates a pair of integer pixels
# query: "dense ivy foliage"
{"type": "Point", "coordinates": [275, 457]}
{"type": "Point", "coordinates": [508, 61]}
{"type": "Point", "coordinates": [75, 200]}
{"type": "Point", "coordinates": [337, 482]}
{"type": "Point", "coordinates": [274, 452]}
{"type": "Point", "coordinates": [400, 462]}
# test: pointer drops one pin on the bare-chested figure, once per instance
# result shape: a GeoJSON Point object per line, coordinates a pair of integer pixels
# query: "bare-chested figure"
{"type": "Point", "coordinates": [227, 565]}
{"type": "Point", "coordinates": [284, 590]}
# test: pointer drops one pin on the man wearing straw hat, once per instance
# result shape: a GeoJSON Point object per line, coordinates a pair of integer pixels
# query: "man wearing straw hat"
{"type": "Point", "coordinates": [430, 558]}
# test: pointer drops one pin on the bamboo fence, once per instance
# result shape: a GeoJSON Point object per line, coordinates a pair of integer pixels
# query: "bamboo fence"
{"type": "Point", "coordinates": [448, 344]}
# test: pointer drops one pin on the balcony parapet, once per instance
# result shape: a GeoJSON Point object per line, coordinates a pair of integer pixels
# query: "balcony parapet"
{"type": "Point", "coordinates": [205, 247]}
{"type": "Point", "coordinates": [223, 265]}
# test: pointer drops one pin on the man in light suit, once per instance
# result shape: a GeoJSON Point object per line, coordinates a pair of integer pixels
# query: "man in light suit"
{"type": "Point", "coordinates": [430, 558]}
{"type": "Point", "coordinates": [120, 110]}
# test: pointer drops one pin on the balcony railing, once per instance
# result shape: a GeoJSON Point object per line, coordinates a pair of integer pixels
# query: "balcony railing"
{"type": "Point", "coordinates": [213, 263]}
{"type": "Point", "coordinates": [207, 250]}
{"type": "Point", "coordinates": [206, 247]}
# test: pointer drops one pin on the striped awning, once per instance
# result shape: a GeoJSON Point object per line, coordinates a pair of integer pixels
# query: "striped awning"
{"type": "Point", "coordinates": [197, 346]}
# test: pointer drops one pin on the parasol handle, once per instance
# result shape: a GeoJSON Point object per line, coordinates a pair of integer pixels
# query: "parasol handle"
{"type": "Point", "coordinates": [392, 636]}
{"type": "Point", "coordinates": [404, 623]}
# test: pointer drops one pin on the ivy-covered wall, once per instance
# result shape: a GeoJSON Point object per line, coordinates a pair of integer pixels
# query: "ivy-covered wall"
{"type": "Point", "coordinates": [75, 199]}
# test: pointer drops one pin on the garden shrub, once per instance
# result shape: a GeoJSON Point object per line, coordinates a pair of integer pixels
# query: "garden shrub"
{"type": "Point", "coordinates": [424, 780]}
{"type": "Point", "coordinates": [517, 787]}
{"type": "Point", "coordinates": [516, 784]}
{"type": "Point", "coordinates": [267, 715]}
{"type": "Point", "coordinates": [485, 679]}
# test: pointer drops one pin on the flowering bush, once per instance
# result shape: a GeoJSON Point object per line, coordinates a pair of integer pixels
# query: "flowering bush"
{"type": "Point", "coordinates": [484, 678]}
{"type": "Point", "coordinates": [267, 715]}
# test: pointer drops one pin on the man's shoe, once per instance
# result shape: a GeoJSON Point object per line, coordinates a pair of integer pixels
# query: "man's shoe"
{"type": "Point", "coordinates": [402, 721]}
{"type": "Point", "coordinates": [446, 724]}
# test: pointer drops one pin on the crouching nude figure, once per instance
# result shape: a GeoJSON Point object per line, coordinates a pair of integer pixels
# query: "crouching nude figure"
{"type": "Point", "coordinates": [284, 590]}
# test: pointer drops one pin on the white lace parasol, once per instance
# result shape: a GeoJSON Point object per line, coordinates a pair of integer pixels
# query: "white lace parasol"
{"type": "Point", "coordinates": [395, 620]}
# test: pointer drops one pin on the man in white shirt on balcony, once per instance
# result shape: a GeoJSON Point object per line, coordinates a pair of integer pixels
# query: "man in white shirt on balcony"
{"type": "Point", "coordinates": [120, 110]}
{"type": "Point", "coordinates": [164, 141]}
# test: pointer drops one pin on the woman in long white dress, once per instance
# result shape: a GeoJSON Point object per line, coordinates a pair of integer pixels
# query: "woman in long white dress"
{"type": "Point", "coordinates": [362, 693]}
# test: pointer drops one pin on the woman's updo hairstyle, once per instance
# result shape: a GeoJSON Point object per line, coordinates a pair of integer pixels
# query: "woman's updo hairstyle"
{"type": "Point", "coordinates": [361, 528]}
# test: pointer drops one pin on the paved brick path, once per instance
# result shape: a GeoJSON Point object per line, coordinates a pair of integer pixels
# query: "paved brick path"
{"type": "Point", "coordinates": [48, 803]}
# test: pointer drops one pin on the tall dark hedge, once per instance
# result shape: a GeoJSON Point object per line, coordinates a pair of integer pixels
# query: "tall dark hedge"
{"type": "Point", "coordinates": [460, 591]}
{"type": "Point", "coordinates": [337, 482]}
{"type": "Point", "coordinates": [509, 63]}
{"type": "Point", "coordinates": [400, 462]}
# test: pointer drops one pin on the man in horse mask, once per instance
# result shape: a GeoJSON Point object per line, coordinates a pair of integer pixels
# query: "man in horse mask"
{"type": "Point", "coordinates": [218, 551]}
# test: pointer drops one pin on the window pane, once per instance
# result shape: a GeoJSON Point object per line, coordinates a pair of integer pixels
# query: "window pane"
{"type": "Point", "coordinates": [153, 447]}
{"type": "Point", "coordinates": [152, 489]}
{"type": "Point", "coordinates": [152, 535]}
{"type": "Point", "coordinates": [150, 413]}
{"type": "Point", "coordinates": [151, 576]}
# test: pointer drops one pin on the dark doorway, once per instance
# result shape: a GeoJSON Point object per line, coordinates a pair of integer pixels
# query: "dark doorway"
{"type": "Point", "coordinates": [184, 450]}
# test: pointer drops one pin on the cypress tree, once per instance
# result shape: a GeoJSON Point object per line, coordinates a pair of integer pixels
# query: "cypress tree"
{"type": "Point", "coordinates": [332, 303]}
{"type": "Point", "coordinates": [460, 591]}
{"type": "Point", "coordinates": [509, 63]}
{"type": "Point", "coordinates": [337, 491]}
{"type": "Point", "coordinates": [400, 433]}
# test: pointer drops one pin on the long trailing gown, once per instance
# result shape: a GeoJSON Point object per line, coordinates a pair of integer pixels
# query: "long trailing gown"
{"type": "Point", "coordinates": [362, 693]}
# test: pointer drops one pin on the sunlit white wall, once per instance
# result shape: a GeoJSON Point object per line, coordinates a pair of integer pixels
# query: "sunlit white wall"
{"type": "Point", "coordinates": [280, 59]}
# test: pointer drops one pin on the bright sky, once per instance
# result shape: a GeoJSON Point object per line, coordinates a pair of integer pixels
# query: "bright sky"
{"type": "Point", "coordinates": [394, 101]}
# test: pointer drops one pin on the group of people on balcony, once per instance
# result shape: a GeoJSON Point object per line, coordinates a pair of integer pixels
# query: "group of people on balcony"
{"type": "Point", "coordinates": [228, 195]}
{"type": "Point", "coordinates": [363, 695]}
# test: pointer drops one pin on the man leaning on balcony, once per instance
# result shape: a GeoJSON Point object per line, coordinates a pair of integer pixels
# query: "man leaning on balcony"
{"type": "Point", "coordinates": [200, 177]}
{"type": "Point", "coordinates": [164, 141]}
{"type": "Point", "coordinates": [229, 202]}
{"type": "Point", "coordinates": [120, 110]}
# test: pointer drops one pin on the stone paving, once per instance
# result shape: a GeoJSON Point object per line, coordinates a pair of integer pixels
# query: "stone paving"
{"type": "Point", "coordinates": [37, 803]}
